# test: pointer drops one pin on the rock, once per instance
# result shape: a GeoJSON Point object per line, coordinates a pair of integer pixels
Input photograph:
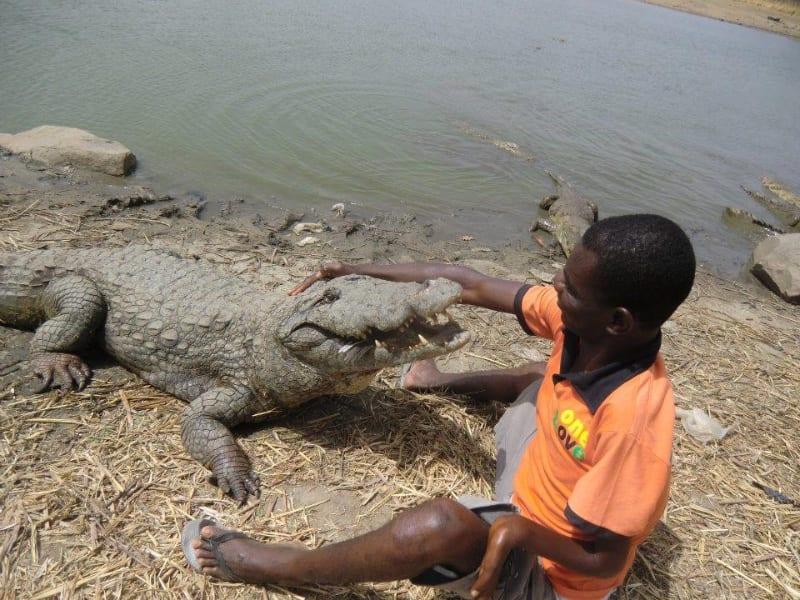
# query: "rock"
{"type": "Point", "coordinates": [776, 263]}
{"type": "Point", "coordinates": [299, 228]}
{"type": "Point", "coordinates": [307, 240]}
{"type": "Point", "coordinates": [348, 227]}
{"type": "Point", "coordinates": [286, 221]}
{"type": "Point", "coordinates": [338, 208]}
{"type": "Point", "coordinates": [56, 146]}
{"type": "Point", "coordinates": [133, 197]}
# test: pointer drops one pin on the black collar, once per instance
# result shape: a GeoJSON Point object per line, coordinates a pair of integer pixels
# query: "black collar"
{"type": "Point", "coordinates": [595, 386]}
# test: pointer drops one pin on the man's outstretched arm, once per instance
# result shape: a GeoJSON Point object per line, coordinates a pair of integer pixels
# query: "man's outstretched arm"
{"type": "Point", "coordinates": [478, 289]}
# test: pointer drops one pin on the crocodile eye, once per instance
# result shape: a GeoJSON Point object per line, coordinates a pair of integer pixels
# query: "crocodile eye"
{"type": "Point", "coordinates": [328, 297]}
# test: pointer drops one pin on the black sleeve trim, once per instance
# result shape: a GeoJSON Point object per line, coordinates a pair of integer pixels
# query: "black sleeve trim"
{"type": "Point", "coordinates": [518, 308]}
{"type": "Point", "coordinates": [582, 524]}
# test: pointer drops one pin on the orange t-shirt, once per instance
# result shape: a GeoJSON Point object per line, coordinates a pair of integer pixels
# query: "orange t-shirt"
{"type": "Point", "coordinates": [601, 453]}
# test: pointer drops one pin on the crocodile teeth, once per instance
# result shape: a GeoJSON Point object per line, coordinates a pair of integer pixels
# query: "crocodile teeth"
{"type": "Point", "coordinates": [379, 344]}
{"type": "Point", "coordinates": [422, 339]}
{"type": "Point", "coordinates": [346, 347]}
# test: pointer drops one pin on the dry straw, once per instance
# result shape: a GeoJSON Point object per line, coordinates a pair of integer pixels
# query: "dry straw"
{"type": "Point", "coordinates": [95, 486]}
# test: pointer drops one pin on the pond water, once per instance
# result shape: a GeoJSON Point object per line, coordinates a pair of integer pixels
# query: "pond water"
{"type": "Point", "coordinates": [412, 106]}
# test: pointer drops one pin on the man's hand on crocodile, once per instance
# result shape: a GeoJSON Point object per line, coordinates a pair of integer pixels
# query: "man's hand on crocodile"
{"type": "Point", "coordinates": [62, 371]}
{"type": "Point", "coordinates": [328, 270]}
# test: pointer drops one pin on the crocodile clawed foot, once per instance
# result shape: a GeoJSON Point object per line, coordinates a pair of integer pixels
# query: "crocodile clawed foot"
{"type": "Point", "coordinates": [239, 487]}
{"type": "Point", "coordinates": [63, 371]}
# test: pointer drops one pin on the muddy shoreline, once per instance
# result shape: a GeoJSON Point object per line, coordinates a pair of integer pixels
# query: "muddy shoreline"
{"type": "Point", "coordinates": [96, 484]}
{"type": "Point", "coordinates": [776, 16]}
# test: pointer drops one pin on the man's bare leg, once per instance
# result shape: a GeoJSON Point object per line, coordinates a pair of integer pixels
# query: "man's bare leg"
{"type": "Point", "coordinates": [439, 531]}
{"type": "Point", "coordinates": [503, 385]}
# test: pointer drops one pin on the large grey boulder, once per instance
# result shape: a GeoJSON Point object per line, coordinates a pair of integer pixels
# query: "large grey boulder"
{"type": "Point", "coordinates": [776, 262]}
{"type": "Point", "coordinates": [57, 146]}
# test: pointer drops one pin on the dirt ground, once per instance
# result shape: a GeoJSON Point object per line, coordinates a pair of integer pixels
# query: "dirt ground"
{"type": "Point", "coordinates": [777, 16]}
{"type": "Point", "coordinates": [95, 486]}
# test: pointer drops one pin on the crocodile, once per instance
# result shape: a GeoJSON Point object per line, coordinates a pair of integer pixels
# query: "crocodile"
{"type": "Point", "coordinates": [782, 203]}
{"type": "Point", "coordinates": [749, 225]}
{"type": "Point", "coordinates": [569, 215]}
{"type": "Point", "coordinates": [234, 351]}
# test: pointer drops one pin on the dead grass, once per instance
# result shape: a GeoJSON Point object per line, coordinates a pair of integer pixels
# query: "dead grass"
{"type": "Point", "coordinates": [95, 486]}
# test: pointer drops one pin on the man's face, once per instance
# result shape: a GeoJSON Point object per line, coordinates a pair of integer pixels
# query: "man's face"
{"type": "Point", "coordinates": [582, 307]}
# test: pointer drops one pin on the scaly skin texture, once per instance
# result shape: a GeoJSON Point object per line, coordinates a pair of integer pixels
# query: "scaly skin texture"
{"type": "Point", "coordinates": [233, 351]}
{"type": "Point", "coordinates": [748, 221]}
{"type": "Point", "coordinates": [780, 201]}
{"type": "Point", "coordinates": [569, 215]}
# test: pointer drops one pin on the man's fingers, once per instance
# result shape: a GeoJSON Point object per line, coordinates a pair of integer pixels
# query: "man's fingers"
{"type": "Point", "coordinates": [328, 270]}
{"type": "Point", "coordinates": [485, 584]}
{"type": "Point", "coordinates": [306, 283]}
{"type": "Point", "coordinates": [491, 567]}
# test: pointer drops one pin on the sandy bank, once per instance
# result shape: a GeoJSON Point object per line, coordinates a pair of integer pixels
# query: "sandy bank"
{"type": "Point", "coordinates": [777, 16]}
{"type": "Point", "coordinates": [96, 484]}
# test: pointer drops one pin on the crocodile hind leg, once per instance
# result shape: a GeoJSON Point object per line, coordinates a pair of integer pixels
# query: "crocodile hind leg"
{"type": "Point", "coordinates": [205, 434]}
{"type": "Point", "coordinates": [75, 309]}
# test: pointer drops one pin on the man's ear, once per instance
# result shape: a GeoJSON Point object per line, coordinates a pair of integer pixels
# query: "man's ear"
{"type": "Point", "coordinates": [622, 321]}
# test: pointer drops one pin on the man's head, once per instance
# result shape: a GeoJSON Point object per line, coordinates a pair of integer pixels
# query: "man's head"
{"type": "Point", "coordinates": [628, 274]}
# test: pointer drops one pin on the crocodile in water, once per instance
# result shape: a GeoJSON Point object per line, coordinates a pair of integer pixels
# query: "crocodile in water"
{"type": "Point", "coordinates": [569, 215]}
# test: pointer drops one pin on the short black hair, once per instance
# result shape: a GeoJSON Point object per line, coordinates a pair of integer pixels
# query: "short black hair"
{"type": "Point", "coordinates": [645, 263]}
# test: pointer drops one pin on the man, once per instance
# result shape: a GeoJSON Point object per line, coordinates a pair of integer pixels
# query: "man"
{"type": "Point", "coordinates": [592, 477]}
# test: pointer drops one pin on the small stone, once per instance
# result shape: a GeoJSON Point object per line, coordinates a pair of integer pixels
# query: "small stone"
{"type": "Point", "coordinates": [307, 241]}
{"type": "Point", "coordinates": [299, 228]}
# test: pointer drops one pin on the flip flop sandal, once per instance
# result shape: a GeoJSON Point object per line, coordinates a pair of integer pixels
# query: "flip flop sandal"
{"type": "Point", "coordinates": [192, 530]}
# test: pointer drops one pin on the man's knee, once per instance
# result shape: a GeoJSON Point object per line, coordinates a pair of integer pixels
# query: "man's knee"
{"type": "Point", "coordinates": [438, 529]}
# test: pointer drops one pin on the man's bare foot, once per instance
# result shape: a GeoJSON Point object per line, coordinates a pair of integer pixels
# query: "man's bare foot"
{"type": "Point", "coordinates": [422, 376]}
{"type": "Point", "coordinates": [242, 559]}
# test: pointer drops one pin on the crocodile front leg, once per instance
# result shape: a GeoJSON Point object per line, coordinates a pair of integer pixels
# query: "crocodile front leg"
{"type": "Point", "coordinates": [205, 434]}
{"type": "Point", "coordinates": [75, 309]}
{"type": "Point", "coordinates": [544, 225]}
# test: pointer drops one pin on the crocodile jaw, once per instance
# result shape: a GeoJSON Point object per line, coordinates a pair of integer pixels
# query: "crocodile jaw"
{"type": "Point", "coordinates": [357, 324]}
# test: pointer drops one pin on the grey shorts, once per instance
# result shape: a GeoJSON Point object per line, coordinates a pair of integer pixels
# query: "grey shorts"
{"type": "Point", "coordinates": [522, 577]}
